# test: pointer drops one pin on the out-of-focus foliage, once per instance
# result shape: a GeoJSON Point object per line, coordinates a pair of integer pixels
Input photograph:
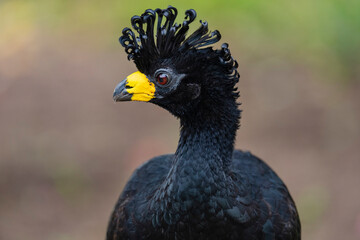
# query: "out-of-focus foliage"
{"type": "Point", "coordinates": [323, 34]}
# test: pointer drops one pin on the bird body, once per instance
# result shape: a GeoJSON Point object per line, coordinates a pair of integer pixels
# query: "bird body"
{"type": "Point", "coordinates": [205, 190]}
{"type": "Point", "coordinates": [259, 206]}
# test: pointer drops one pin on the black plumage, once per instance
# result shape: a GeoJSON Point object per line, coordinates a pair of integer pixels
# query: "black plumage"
{"type": "Point", "coordinates": [206, 190]}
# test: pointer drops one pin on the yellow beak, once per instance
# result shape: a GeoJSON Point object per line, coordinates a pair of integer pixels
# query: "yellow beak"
{"type": "Point", "coordinates": [136, 87]}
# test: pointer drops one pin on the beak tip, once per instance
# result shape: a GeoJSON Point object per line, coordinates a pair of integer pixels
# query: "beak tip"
{"type": "Point", "coordinates": [115, 98]}
{"type": "Point", "coordinates": [120, 92]}
{"type": "Point", "coordinates": [121, 96]}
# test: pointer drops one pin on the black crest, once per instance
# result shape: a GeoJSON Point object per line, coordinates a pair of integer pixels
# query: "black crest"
{"type": "Point", "coordinates": [161, 37]}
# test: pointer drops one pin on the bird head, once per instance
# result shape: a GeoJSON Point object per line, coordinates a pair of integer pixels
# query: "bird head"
{"type": "Point", "coordinates": [177, 72]}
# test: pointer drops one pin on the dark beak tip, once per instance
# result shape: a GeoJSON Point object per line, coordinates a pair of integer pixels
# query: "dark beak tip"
{"type": "Point", "coordinates": [122, 96]}
{"type": "Point", "coordinates": [115, 97]}
{"type": "Point", "coordinates": [120, 92]}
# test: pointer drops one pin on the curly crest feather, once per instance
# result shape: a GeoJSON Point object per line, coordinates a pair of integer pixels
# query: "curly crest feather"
{"type": "Point", "coordinates": [157, 35]}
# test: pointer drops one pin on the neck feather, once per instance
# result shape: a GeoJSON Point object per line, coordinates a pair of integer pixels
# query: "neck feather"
{"type": "Point", "coordinates": [201, 161]}
{"type": "Point", "coordinates": [205, 149]}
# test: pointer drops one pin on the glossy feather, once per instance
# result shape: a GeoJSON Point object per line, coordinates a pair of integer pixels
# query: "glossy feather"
{"type": "Point", "coordinates": [264, 210]}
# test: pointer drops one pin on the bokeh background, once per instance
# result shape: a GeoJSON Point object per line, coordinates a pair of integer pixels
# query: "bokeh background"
{"type": "Point", "coordinates": [66, 149]}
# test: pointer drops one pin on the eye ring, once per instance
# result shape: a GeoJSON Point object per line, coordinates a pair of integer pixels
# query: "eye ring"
{"type": "Point", "coordinates": [162, 79]}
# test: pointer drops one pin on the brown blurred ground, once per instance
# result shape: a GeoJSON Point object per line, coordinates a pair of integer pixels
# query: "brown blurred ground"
{"type": "Point", "coordinates": [67, 149]}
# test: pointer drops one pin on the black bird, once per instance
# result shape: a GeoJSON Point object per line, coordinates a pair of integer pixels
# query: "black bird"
{"type": "Point", "coordinates": [206, 190]}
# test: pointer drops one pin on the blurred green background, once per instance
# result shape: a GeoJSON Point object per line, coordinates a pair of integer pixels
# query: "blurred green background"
{"type": "Point", "coordinates": [66, 150]}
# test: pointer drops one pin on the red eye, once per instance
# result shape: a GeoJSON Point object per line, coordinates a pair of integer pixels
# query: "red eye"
{"type": "Point", "coordinates": [162, 79]}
